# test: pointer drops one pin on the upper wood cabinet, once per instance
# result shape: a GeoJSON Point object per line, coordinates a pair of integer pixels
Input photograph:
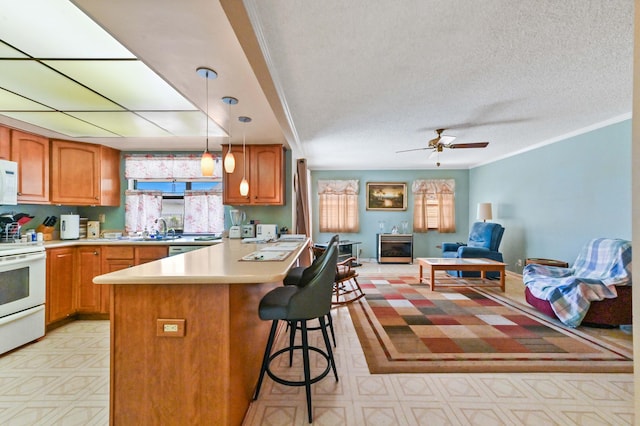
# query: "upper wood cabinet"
{"type": "Point", "coordinates": [31, 152]}
{"type": "Point", "coordinates": [5, 143]}
{"type": "Point", "coordinates": [264, 170]}
{"type": "Point", "coordinates": [84, 174]}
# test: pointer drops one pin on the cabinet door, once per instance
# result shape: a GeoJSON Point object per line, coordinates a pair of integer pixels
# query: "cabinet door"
{"type": "Point", "coordinates": [231, 181]}
{"type": "Point", "coordinates": [60, 288]}
{"type": "Point", "coordinates": [89, 266]}
{"type": "Point", "coordinates": [267, 175]}
{"type": "Point", "coordinates": [75, 177]}
{"type": "Point", "coordinates": [149, 254]}
{"type": "Point", "coordinates": [5, 143]}
{"type": "Point", "coordinates": [31, 152]}
{"type": "Point", "coordinates": [109, 176]}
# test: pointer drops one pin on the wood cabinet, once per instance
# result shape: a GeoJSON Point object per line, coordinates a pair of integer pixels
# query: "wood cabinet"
{"type": "Point", "coordinates": [60, 288]}
{"type": "Point", "coordinates": [149, 253]}
{"type": "Point", "coordinates": [5, 143]}
{"type": "Point", "coordinates": [89, 262]}
{"type": "Point", "coordinates": [264, 170]}
{"type": "Point", "coordinates": [84, 174]}
{"type": "Point", "coordinates": [31, 152]}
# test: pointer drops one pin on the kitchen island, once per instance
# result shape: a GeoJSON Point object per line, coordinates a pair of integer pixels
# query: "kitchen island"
{"type": "Point", "coordinates": [186, 339]}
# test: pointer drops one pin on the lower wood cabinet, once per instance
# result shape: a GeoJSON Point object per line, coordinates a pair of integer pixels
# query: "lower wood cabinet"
{"type": "Point", "coordinates": [70, 273]}
{"type": "Point", "coordinates": [60, 284]}
{"type": "Point", "coordinates": [89, 265]}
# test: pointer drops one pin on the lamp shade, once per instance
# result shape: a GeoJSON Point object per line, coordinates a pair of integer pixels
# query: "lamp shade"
{"type": "Point", "coordinates": [484, 211]}
{"type": "Point", "coordinates": [207, 164]}
{"type": "Point", "coordinates": [244, 187]}
{"type": "Point", "coordinates": [229, 162]}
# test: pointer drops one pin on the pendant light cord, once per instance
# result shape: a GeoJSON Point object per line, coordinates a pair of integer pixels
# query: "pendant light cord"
{"type": "Point", "coordinates": [207, 115]}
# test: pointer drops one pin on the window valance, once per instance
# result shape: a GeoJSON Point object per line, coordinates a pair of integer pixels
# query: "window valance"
{"type": "Point", "coordinates": [169, 166]}
{"type": "Point", "coordinates": [434, 186]}
{"type": "Point", "coordinates": [338, 186]}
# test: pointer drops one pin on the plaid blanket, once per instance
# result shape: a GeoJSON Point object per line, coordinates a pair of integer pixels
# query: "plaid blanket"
{"type": "Point", "coordinates": [602, 265]}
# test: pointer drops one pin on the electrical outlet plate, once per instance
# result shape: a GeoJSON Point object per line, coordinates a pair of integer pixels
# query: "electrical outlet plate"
{"type": "Point", "coordinates": [166, 327]}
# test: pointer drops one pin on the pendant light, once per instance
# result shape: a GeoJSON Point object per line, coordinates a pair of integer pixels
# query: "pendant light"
{"type": "Point", "coordinates": [229, 159]}
{"type": "Point", "coordinates": [244, 184]}
{"type": "Point", "coordinates": [207, 161]}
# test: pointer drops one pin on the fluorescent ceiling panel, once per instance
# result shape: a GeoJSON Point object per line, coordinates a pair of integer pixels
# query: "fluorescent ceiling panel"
{"type": "Point", "coordinates": [12, 102]}
{"type": "Point", "coordinates": [61, 123]}
{"type": "Point", "coordinates": [37, 82]}
{"type": "Point", "coordinates": [122, 123]}
{"type": "Point", "coordinates": [56, 29]}
{"type": "Point", "coordinates": [131, 84]}
{"type": "Point", "coordinates": [7, 51]}
{"type": "Point", "coordinates": [184, 123]}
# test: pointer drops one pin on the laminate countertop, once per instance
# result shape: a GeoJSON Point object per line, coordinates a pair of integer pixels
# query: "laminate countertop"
{"type": "Point", "coordinates": [217, 264]}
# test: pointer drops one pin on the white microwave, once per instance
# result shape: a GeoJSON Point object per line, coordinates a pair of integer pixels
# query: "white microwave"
{"type": "Point", "coordinates": [8, 182]}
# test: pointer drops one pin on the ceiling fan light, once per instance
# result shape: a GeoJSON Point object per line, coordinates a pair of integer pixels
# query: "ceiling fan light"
{"type": "Point", "coordinates": [207, 164]}
{"type": "Point", "coordinates": [229, 161]}
{"type": "Point", "coordinates": [244, 187]}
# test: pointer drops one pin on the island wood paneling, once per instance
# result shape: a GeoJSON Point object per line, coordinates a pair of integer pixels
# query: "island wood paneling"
{"type": "Point", "coordinates": [206, 377]}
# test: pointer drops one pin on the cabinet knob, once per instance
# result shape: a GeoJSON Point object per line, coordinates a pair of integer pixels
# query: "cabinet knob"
{"type": "Point", "coordinates": [96, 198]}
{"type": "Point", "coordinates": [130, 266]}
{"type": "Point", "coordinates": [95, 253]}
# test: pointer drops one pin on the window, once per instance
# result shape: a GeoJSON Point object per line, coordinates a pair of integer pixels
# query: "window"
{"type": "Point", "coordinates": [170, 187]}
{"type": "Point", "coordinates": [434, 205]}
{"type": "Point", "coordinates": [338, 205]}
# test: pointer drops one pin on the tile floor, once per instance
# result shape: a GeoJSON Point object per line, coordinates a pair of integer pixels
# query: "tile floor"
{"type": "Point", "coordinates": [64, 380]}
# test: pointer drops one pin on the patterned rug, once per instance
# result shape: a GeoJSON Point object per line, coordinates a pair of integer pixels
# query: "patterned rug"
{"type": "Point", "coordinates": [406, 328]}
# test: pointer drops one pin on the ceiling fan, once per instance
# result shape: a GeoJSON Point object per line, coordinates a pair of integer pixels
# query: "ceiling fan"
{"type": "Point", "coordinates": [437, 144]}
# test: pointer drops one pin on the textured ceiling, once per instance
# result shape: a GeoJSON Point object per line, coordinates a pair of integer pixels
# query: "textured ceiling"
{"type": "Point", "coordinates": [346, 84]}
{"type": "Point", "coordinates": [365, 78]}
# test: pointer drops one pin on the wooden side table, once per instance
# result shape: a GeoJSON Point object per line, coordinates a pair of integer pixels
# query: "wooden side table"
{"type": "Point", "coordinates": [547, 262]}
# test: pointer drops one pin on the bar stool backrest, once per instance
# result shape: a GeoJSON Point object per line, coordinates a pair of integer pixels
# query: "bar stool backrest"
{"type": "Point", "coordinates": [314, 298]}
{"type": "Point", "coordinates": [313, 269]}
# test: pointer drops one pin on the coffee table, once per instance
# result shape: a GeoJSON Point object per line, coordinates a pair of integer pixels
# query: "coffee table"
{"type": "Point", "coordinates": [433, 264]}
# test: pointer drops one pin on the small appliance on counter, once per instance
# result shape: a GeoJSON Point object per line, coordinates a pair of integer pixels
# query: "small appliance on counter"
{"type": "Point", "coordinates": [93, 229]}
{"type": "Point", "coordinates": [8, 183]}
{"type": "Point", "coordinates": [266, 232]}
{"type": "Point", "coordinates": [237, 217]}
{"type": "Point", "coordinates": [249, 230]}
{"type": "Point", "coordinates": [69, 226]}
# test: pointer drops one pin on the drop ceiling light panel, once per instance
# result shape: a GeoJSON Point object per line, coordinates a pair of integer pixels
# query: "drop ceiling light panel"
{"type": "Point", "coordinates": [71, 65]}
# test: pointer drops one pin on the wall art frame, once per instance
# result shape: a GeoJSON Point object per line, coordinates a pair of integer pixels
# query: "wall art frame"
{"type": "Point", "coordinates": [387, 196]}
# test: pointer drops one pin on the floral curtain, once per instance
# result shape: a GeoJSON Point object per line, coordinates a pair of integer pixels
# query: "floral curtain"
{"type": "Point", "coordinates": [436, 194]}
{"type": "Point", "coordinates": [204, 212]}
{"type": "Point", "coordinates": [141, 209]}
{"type": "Point", "coordinates": [338, 205]}
{"type": "Point", "coordinates": [170, 166]}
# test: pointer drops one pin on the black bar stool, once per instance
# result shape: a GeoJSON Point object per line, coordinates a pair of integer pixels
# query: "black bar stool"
{"type": "Point", "coordinates": [299, 304]}
{"type": "Point", "coordinates": [301, 275]}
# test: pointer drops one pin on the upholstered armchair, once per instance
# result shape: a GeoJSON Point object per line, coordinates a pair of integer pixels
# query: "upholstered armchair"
{"type": "Point", "coordinates": [484, 241]}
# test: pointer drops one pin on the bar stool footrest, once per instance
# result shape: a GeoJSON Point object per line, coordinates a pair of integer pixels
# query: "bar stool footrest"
{"type": "Point", "coordinates": [312, 380]}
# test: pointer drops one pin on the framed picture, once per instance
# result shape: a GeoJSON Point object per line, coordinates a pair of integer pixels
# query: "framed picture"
{"type": "Point", "coordinates": [386, 196]}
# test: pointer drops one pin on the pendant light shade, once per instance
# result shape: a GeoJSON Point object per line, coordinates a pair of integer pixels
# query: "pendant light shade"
{"type": "Point", "coordinates": [207, 161]}
{"type": "Point", "coordinates": [229, 161]}
{"type": "Point", "coordinates": [244, 187]}
{"type": "Point", "coordinates": [244, 184]}
{"type": "Point", "coordinates": [207, 164]}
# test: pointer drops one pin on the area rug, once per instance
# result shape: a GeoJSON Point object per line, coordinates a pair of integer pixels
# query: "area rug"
{"type": "Point", "coordinates": [404, 327]}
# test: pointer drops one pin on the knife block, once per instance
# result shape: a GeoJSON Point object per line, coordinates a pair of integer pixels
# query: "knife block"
{"type": "Point", "coordinates": [47, 232]}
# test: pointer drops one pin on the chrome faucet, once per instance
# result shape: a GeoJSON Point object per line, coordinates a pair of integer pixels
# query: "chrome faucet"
{"type": "Point", "coordinates": [164, 226]}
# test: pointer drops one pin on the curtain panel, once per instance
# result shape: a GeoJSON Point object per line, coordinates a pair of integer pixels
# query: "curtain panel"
{"type": "Point", "coordinates": [204, 212]}
{"type": "Point", "coordinates": [141, 208]}
{"type": "Point", "coordinates": [167, 167]}
{"type": "Point", "coordinates": [338, 201]}
{"type": "Point", "coordinates": [431, 193]}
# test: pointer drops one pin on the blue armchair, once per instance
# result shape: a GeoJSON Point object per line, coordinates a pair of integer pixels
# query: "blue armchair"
{"type": "Point", "coordinates": [484, 241]}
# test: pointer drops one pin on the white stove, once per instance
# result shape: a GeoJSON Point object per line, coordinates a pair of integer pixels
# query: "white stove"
{"type": "Point", "coordinates": [22, 294]}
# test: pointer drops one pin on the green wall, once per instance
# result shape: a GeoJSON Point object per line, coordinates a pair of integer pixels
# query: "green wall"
{"type": "Point", "coordinates": [554, 199]}
{"type": "Point", "coordinates": [425, 244]}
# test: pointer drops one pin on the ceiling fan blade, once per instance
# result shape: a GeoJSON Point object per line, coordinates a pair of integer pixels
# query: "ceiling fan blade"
{"type": "Point", "coordinates": [433, 153]}
{"type": "Point", "coordinates": [446, 139]}
{"type": "Point", "coordinates": [469, 145]}
{"type": "Point", "coordinates": [414, 149]}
